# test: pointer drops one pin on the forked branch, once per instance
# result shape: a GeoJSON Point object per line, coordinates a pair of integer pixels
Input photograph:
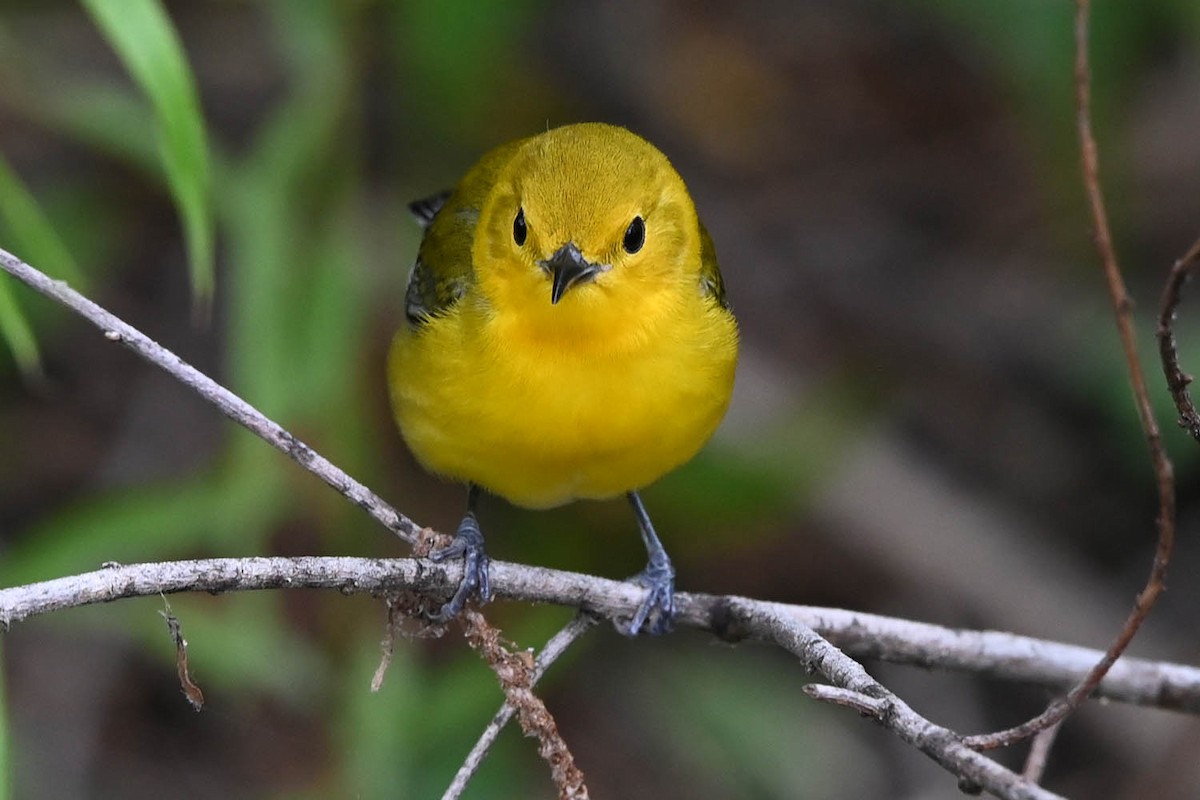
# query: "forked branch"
{"type": "Point", "coordinates": [1163, 471]}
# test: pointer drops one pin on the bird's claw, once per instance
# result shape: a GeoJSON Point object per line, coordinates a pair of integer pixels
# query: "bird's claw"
{"type": "Point", "coordinates": [468, 545]}
{"type": "Point", "coordinates": [656, 614]}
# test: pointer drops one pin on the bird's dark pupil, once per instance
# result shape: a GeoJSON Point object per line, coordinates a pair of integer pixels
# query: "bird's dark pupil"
{"type": "Point", "coordinates": [635, 235]}
{"type": "Point", "coordinates": [519, 229]}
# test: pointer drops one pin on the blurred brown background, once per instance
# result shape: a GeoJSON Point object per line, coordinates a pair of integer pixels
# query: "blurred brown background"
{"type": "Point", "coordinates": [932, 418]}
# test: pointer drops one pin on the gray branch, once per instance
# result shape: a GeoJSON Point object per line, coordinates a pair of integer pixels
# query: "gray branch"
{"type": "Point", "coordinates": [864, 636]}
{"type": "Point", "coordinates": [975, 770]}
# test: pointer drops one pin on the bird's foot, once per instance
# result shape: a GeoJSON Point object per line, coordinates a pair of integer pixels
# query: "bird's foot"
{"type": "Point", "coordinates": [656, 614]}
{"type": "Point", "coordinates": [468, 545]}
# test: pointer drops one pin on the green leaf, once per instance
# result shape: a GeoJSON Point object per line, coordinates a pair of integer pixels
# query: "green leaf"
{"type": "Point", "coordinates": [142, 35]}
{"type": "Point", "coordinates": [16, 332]}
{"type": "Point", "coordinates": [37, 242]}
{"type": "Point", "coordinates": [32, 231]}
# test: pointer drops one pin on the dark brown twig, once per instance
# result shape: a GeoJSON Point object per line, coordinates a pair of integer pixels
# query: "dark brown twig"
{"type": "Point", "coordinates": [1177, 380]}
{"type": "Point", "coordinates": [555, 647]}
{"type": "Point", "coordinates": [1163, 471]}
{"type": "Point", "coordinates": [191, 691]}
{"type": "Point", "coordinates": [516, 673]}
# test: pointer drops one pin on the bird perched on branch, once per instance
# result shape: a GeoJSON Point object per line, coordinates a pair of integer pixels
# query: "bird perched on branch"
{"type": "Point", "coordinates": [567, 337]}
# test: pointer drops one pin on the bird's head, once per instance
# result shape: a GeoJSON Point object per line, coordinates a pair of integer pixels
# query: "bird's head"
{"type": "Point", "coordinates": [588, 232]}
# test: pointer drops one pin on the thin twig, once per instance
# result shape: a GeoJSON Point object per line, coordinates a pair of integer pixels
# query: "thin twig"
{"type": "Point", "coordinates": [1177, 380]}
{"type": "Point", "coordinates": [228, 403]}
{"type": "Point", "coordinates": [555, 647]}
{"type": "Point", "coordinates": [191, 691]}
{"type": "Point", "coordinates": [1163, 470]}
{"type": "Point", "coordinates": [1039, 753]}
{"type": "Point", "coordinates": [866, 705]}
{"type": "Point", "coordinates": [992, 654]}
{"type": "Point", "coordinates": [975, 770]}
{"type": "Point", "coordinates": [515, 671]}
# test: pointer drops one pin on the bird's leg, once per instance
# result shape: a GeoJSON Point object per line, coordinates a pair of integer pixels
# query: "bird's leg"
{"type": "Point", "coordinates": [467, 544]}
{"type": "Point", "coordinates": [658, 609]}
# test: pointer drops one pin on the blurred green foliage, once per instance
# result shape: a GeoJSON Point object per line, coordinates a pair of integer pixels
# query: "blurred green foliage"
{"type": "Point", "coordinates": [434, 37]}
{"type": "Point", "coordinates": [1028, 46]}
{"type": "Point", "coordinates": [142, 34]}
{"type": "Point", "coordinates": [35, 236]}
{"type": "Point", "coordinates": [15, 330]}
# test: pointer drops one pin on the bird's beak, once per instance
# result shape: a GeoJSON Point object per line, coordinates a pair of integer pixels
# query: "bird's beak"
{"type": "Point", "coordinates": [568, 267]}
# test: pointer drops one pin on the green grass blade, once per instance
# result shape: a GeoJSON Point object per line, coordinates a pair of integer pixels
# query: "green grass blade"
{"type": "Point", "coordinates": [31, 229]}
{"type": "Point", "coordinates": [34, 237]}
{"type": "Point", "coordinates": [142, 35]}
{"type": "Point", "coordinates": [15, 331]}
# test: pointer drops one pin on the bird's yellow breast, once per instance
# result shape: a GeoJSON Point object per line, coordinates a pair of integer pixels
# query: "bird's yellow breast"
{"type": "Point", "coordinates": [539, 421]}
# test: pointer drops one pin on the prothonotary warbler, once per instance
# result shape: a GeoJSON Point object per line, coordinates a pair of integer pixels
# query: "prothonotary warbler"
{"type": "Point", "coordinates": [567, 337]}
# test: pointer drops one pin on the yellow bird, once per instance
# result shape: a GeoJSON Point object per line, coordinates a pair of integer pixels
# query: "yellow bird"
{"type": "Point", "coordinates": [567, 337]}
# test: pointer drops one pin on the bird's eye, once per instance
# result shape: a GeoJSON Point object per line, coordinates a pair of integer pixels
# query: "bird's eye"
{"type": "Point", "coordinates": [520, 232]}
{"type": "Point", "coordinates": [635, 235]}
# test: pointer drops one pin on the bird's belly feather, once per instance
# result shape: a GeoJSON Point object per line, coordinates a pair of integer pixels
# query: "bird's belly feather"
{"type": "Point", "coordinates": [541, 428]}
